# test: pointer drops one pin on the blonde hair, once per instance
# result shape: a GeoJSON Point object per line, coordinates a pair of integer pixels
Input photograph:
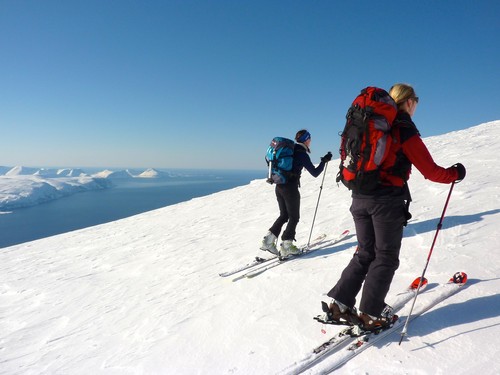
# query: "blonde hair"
{"type": "Point", "coordinates": [401, 92]}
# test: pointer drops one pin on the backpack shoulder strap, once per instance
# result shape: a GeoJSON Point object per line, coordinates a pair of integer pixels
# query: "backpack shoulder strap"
{"type": "Point", "coordinates": [405, 127]}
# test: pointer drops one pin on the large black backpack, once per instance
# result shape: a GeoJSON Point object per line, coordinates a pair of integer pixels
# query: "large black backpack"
{"type": "Point", "coordinates": [366, 139]}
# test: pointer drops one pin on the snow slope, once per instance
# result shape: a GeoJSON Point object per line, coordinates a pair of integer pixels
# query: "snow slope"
{"type": "Point", "coordinates": [142, 295]}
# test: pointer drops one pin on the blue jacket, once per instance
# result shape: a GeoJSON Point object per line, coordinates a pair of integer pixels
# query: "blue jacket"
{"type": "Point", "coordinates": [302, 160]}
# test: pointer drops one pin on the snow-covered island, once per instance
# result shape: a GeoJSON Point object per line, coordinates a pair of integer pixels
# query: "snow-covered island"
{"type": "Point", "coordinates": [25, 186]}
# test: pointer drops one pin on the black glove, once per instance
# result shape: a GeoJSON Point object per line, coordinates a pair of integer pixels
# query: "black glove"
{"type": "Point", "coordinates": [461, 171]}
{"type": "Point", "coordinates": [327, 157]}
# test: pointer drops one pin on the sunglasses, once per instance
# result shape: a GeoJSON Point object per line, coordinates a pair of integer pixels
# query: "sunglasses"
{"type": "Point", "coordinates": [415, 98]}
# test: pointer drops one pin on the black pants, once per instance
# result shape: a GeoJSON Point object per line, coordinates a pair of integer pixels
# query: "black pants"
{"type": "Point", "coordinates": [379, 229]}
{"type": "Point", "coordinates": [288, 197]}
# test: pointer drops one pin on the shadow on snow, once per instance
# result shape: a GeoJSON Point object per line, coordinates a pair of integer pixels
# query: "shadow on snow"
{"type": "Point", "coordinates": [417, 228]}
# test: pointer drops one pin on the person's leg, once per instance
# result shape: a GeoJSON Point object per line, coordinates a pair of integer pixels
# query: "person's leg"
{"type": "Point", "coordinates": [292, 202]}
{"type": "Point", "coordinates": [283, 218]}
{"type": "Point", "coordinates": [388, 219]}
{"type": "Point", "coordinates": [351, 279]}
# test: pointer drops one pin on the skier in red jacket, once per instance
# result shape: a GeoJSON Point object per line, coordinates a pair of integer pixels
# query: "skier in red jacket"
{"type": "Point", "coordinates": [379, 219]}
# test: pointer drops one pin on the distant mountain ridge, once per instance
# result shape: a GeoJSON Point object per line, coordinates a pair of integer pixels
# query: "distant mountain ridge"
{"type": "Point", "coordinates": [27, 186]}
{"type": "Point", "coordinates": [77, 172]}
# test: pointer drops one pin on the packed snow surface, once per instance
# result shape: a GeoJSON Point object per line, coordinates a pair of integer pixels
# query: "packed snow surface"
{"type": "Point", "coordinates": [143, 295]}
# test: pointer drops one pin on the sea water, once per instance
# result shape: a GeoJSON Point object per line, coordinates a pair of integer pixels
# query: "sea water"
{"type": "Point", "coordinates": [125, 198]}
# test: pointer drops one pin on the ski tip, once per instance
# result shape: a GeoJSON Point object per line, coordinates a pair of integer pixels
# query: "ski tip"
{"type": "Point", "coordinates": [346, 232]}
{"type": "Point", "coordinates": [459, 278]}
{"type": "Point", "coordinates": [416, 283]}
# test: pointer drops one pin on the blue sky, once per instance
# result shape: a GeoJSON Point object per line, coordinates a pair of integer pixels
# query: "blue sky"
{"type": "Point", "coordinates": [207, 84]}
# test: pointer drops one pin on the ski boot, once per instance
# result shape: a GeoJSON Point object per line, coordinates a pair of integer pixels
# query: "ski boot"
{"type": "Point", "coordinates": [386, 320]}
{"type": "Point", "coordinates": [338, 313]}
{"type": "Point", "coordinates": [269, 244]}
{"type": "Point", "coordinates": [287, 248]}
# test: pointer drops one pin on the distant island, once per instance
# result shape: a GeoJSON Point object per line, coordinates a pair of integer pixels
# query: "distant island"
{"type": "Point", "coordinates": [26, 186]}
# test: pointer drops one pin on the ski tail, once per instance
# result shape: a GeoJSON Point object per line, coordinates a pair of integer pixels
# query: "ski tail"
{"type": "Point", "coordinates": [459, 278]}
{"type": "Point", "coordinates": [418, 283]}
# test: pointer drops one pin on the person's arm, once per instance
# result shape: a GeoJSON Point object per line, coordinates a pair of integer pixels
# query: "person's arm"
{"type": "Point", "coordinates": [418, 154]}
{"type": "Point", "coordinates": [309, 166]}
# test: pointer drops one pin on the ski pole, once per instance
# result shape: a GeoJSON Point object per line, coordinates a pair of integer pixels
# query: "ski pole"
{"type": "Point", "coordinates": [317, 204]}
{"type": "Point", "coordinates": [439, 225]}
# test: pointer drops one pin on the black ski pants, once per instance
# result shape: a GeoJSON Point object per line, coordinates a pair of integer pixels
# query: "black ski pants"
{"type": "Point", "coordinates": [288, 197]}
{"type": "Point", "coordinates": [379, 228]}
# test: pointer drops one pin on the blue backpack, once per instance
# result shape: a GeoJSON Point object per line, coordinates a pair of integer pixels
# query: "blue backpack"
{"type": "Point", "coordinates": [279, 159]}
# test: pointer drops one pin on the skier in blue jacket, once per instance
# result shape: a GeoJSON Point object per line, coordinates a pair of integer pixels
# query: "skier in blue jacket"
{"type": "Point", "coordinates": [288, 197]}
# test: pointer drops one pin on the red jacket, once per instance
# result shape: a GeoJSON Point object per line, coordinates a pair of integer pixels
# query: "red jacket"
{"type": "Point", "coordinates": [408, 149]}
